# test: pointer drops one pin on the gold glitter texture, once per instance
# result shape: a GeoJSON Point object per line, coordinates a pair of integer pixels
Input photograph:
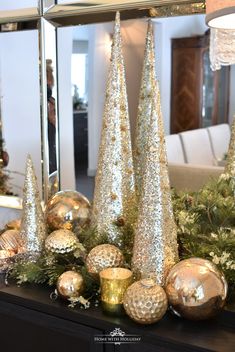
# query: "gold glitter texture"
{"type": "Point", "coordinates": [230, 164]}
{"type": "Point", "coordinates": [155, 245]}
{"type": "Point", "coordinates": [144, 109]}
{"type": "Point", "coordinates": [114, 194]}
{"type": "Point", "coordinates": [33, 228]}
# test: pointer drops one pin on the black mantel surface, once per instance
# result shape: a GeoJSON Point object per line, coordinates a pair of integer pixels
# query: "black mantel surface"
{"type": "Point", "coordinates": [31, 321]}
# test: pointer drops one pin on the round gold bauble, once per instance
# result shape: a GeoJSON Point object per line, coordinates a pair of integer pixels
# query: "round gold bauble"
{"type": "Point", "coordinates": [145, 302]}
{"type": "Point", "coordinates": [196, 289]}
{"type": "Point", "coordinates": [70, 284]}
{"type": "Point", "coordinates": [67, 210]}
{"type": "Point", "coordinates": [61, 242]}
{"type": "Point", "coordinates": [11, 240]}
{"type": "Point", "coordinates": [102, 257]}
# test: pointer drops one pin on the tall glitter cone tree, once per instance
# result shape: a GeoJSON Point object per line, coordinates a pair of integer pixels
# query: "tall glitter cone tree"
{"type": "Point", "coordinates": [155, 246]}
{"type": "Point", "coordinates": [144, 109]}
{"type": "Point", "coordinates": [33, 228]}
{"type": "Point", "coordinates": [230, 164]}
{"type": "Point", "coordinates": [114, 196]}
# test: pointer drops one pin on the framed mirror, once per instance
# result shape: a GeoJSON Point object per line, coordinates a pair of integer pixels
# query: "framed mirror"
{"type": "Point", "coordinates": [84, 36]}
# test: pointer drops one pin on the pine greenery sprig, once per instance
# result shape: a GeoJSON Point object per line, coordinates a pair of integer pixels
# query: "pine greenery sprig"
{"type": "Point", "coordinates": [206, 224]}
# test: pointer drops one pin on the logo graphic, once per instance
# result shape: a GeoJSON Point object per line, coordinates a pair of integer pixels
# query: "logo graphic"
{"type": "Point", "coordinates": [117, 337]}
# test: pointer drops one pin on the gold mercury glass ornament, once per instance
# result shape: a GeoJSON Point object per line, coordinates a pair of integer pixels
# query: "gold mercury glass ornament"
{"type": "Point", "coordinates": [70, 284]}
{"type": "Point", "coordinates": [145, 302]}
{"type": "Point", "coordinates": [61, 242]}
{"type": "Point", "coordinates": [103, 256]}
{"type": "Point", "coordinates": [196, 289]}
{"type": "Point", "coordinates": [67, 210]}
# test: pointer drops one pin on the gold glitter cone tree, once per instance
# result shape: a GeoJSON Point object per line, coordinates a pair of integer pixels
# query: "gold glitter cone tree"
{"type": "Point", "coordinates": [144, 109]}
{"type": "Point", "coordinates": [114, 194]}
{"type": "Point", "coordinates": [33, 229]}
{"type": "Point", "coordinates": [155, 245]}
{"type": "Point", "coordinates": [230, 164]}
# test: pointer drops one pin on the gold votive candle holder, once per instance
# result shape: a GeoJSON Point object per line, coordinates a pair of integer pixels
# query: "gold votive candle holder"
{"type": "Point", "coordinates": [114, 283]}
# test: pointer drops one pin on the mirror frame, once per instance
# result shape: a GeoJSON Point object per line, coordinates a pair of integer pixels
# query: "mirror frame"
{"type": "Point", "coordinates": [78, 13]}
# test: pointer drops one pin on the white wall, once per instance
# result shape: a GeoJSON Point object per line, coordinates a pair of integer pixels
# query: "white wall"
{"type": "Point", "coordinates": [20, 102]}
{"type": "Point", "coordinates": [6, 5]}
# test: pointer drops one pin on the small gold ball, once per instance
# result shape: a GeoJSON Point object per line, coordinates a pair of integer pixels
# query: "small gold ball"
{"type": "Point", "coordinates": [196, 289]}
{"type": "Point", "coordinates": [61, 242]}
{"type": "Point", "coordinates": [145, 302]}
{"type": "Point", "coordinates": [70, 284]}
{"type": "Point", "coordinates": [102, 257]}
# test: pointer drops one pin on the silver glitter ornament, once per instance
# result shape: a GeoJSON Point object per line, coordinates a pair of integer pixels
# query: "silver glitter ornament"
{"type": "Point", "coordinates": [61, 242]}
{"type": "Point", "coordinates": [33, 229]}
{"type": "Point", "coordinates": [114, 194]}
{"type": "Point", "coordinates": [155, 245]}
{"type": "Point", "coordinates": [230, 164]}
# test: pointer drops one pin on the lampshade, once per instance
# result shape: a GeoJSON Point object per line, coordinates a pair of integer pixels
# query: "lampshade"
{"type": "Point", "coordinates": [220, 14]}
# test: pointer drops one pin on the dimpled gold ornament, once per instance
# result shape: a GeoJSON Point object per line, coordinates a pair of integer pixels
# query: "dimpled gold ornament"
{"type": "Point", "coordinates": [114, 194]}
{"type": "Point", "coordinates": [102, 257]}
{"type": "Point", "coordinates": [145, 302]}
{"type": "Point", "coordinates": [61, 242]}
{"type": "Point", "coordinates": [196, 289]}
{"type": "Point", "coordinates": [155, 248]}
{"type": "Point", "coordinates": [70, 284]}
{"type": "Point", "coordinates": [67, 210]}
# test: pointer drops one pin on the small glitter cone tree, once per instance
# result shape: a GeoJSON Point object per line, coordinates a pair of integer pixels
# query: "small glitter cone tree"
{"type": "Point", "coordinates": [155, 246]}
{"type": "Point", "coordinates": [230, 164]}
{"type": "Point", "coordinates": [144, 109]}
{"type": "Point", "coordinates": [114, 195]}
{"type": "Point", "coordinates": [33, 228]}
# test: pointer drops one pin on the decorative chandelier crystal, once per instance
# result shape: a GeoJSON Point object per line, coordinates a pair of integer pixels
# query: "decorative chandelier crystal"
{"type": "Point", "coordinates": [220, 16]}
{"type": "Point", "coordinates": [222, 48]}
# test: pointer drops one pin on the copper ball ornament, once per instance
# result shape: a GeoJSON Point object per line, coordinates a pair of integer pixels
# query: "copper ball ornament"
{"type": "Point", "coordinates": [145, 302]}
{"type": "Point", "coordinates": [70, 284]}
{"type": "Point", "coordinates": [61, 242]}
{"type": "Point", "coordinates": [196, 289]}
{"type": "Point", "coordinates": [67, 210]}
{"type": "Point", "coordinates": [102, 257]}
{"type": "Point", "coordinates": [11, 240]}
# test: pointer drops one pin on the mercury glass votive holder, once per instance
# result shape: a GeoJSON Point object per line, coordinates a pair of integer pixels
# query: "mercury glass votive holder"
{"type": "Point", "coordinates": [114, 283]}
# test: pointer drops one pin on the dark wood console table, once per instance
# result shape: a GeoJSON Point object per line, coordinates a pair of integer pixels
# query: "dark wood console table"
{"type": "Point", "coordinates": [30, 322]}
